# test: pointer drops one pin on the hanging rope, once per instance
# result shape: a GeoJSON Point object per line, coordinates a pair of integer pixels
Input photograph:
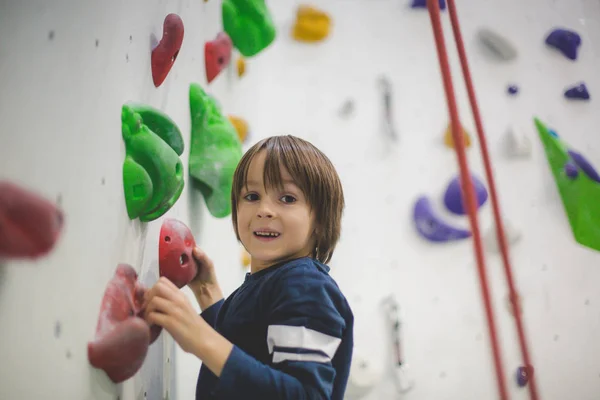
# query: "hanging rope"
{"type": "Point", "coordinates": [468, 192]}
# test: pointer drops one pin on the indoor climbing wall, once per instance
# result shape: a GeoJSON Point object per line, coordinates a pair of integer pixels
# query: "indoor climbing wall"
{"type": "Point", "coordinates": [120, 125]}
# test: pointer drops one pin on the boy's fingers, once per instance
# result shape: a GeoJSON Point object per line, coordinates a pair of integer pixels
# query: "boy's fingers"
{"type": "Point", "coordinates": [199, 255]}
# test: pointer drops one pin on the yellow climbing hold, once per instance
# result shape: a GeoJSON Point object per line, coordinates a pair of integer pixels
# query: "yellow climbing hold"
{"type": "Point", "coordinates": [312, 25]}
{"type": "Point", "coordinates": [241, 126]}
{"type": "Point", "coordinates": [245, 258]}
{"type": "Point", "coordinates": [241, 66]}
{"type": "Point", "coordinates": [449, 140]}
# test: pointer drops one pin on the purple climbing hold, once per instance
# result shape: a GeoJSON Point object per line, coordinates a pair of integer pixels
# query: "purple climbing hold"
{"type": "Point", "coordinates": [566, 41]}
{"type": "Point", "coordinates": [513, 89]}
{"type": "Point", "coordinates": [431, 227]}
{"type": "Point", "coordinates": [578, 92]}
{"type": "Point", "coordinates": [453, 195]}
{"type": "Point", "coordinates": [423, 4]}
{"type": "Point", "coordinates": [584, 165]}
{"type": "Point", "coordinates": [571, 170]}
{"type": "Point", "coordinates": [523, 376]}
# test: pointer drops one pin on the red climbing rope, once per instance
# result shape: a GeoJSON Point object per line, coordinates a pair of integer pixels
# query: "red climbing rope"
{"type": "Point", "coordinates": [469, 193]}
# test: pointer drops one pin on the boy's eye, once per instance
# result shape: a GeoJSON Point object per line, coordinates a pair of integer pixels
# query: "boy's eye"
{"type": "Point", "coordinates": [288, 199]}
{"type": "Point", "coordinates": [251, 197]}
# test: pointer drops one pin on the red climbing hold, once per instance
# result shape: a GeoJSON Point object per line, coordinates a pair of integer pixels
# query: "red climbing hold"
{"type": "Point", "coordinates": [175, 260]}
{"type": "Point", "coordinates": [217, 54]}
{"type": "Point", "coordinates": [165, 54]}
{"type": "Point", "coordinates": [29, 224]}
{"type": "Point", "coordinates": [122, 336]}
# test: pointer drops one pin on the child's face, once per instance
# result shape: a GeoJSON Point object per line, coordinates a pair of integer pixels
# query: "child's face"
{"type": "Point", "coordinates": [285, 213]}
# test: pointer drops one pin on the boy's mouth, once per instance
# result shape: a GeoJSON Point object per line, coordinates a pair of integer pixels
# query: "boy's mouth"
{"type": "Point", "coordinates": [266, 235]}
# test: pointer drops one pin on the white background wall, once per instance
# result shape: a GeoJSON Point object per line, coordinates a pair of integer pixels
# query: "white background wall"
{"type": "Point", "coordinates": [60, 134]}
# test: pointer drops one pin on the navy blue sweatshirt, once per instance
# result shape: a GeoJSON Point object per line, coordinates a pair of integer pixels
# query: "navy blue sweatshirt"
{"type": "Point", "coordinates": [292, 331]}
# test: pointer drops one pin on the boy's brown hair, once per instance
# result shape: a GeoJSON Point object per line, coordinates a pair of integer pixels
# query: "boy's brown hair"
{"type": "Point", "coordinates": [312, 172]}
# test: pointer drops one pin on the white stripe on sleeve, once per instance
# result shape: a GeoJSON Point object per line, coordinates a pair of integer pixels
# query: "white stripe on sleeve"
{"type": "Point", "coordinates": [301, 337]}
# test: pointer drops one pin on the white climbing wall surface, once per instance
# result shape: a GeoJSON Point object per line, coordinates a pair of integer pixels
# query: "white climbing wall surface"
{"type": "Point", "coordinates": [66, 69]}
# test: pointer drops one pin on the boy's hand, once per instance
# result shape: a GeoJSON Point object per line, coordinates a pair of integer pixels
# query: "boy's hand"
{"type": "Point", "coordinates": [205, 285]}
{"type": "Point", "coordinates": [167, 306]}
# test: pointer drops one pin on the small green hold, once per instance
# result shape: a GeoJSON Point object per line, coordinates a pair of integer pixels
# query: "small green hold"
{"type": "Point", "coordinates": [249, 24]}
{"type": "Point", "coordinates": [579, 196]}
{"type": "Point", "coordinates": [215, 151]}
{"type": "Point", "coordinates": [152, 171]}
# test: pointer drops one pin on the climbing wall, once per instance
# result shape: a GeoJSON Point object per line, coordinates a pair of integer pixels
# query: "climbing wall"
{"type": "Point", "coordinates": [67, 69]}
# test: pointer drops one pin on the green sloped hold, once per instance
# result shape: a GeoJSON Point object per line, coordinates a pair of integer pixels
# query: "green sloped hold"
{"type": "Point", "coordinates": [249, 25]}
{"type": "Point", "coordinates": [580, 196]}
{"type": "Point", "coordinates": [152, 171]}
{"type": "Point", "coordinates": [215, 151]}
{"type": "Point", "coordinates": [161, 124]}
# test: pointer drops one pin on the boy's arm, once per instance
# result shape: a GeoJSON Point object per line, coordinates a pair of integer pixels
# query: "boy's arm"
{"type": "Point", "coordinates": [305, 331]}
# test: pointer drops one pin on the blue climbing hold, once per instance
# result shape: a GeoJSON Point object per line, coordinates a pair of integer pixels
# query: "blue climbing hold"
{"type": "Point", "coordinates": [579, 92]}
{"type": "Point", "coordinates": [513, 89]}
{"type": "Point", "coordinates": [566, 41]}
{"type": "Point", "coordinates": [423, 4]}
{"type": "Point", "coordinates": [571, 170]}
{"type": "Point", "coordinates": [584, 165]}
{"type": "Point", "coordinates": [523, 375]}
{"type": "Point", "coordinates": [453, 195]}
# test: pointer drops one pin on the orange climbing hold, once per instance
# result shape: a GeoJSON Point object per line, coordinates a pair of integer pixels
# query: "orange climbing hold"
{"type": "Point", "coordinates": [312, 25]}
{"type": "Point", "coordinates": [241, 66]}
{"type": "Point", "coordinates": [449, 140]}
{"type": "Point", "coordinates": [245, 258]}
{"type": "Point", "coordinates": [241, 126]}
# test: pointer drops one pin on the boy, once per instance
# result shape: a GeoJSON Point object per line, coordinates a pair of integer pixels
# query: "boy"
{"type": "Point", "coordinates": [287, 331]}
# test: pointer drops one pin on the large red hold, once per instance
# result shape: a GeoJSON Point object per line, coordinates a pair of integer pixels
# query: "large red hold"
{"type": "Point", "coordinates": [165, 54]}
{"type": "Point", "coordinates": [30, 225]}
{"type": "Point", "coordinates": [122, 336]}
{"type": "Point", "coordinates": [217, 55]}
{"type": "Point", "coordinates": [175, 260]}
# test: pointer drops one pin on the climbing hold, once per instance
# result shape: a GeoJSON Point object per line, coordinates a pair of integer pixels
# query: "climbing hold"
{"type": "Point", "coordinates": [166, 52]}
{"type": "Point", "coordinates": [312, 25]}
{"type": "Point", "coordinates": [152, 171]}
{"type": "Point", "coordinates": [175, 260]}
{"type": "Point", "coordinates": [217, 55]}
{"type": "Point", "coordinates": [566, 41]}
{"type": "Point", "coordinates": [215, 151]}
{"type": "Point", "coordinates": [579, 92]}
{"type": "Point", "coordinates": [122, 335]}
{"type": "Point", "coordinates": [241, 127]}
{"type": "Point", "coordinates": [241, 66]}
{"type": "Point", "coordinates": [579, 196]}
{"type": "Point", "coordinates": [553, 133]}
{"type": "Point", "coordinates": [571, 170]}
{"type": "Point", "coordinates": [431, 227]}
{"type": "Point", "coordinates": [30, 225]}
{"type": "Point", "coordinates": [513, 89]}
{"type": "Point", "coordinates": [453, 195]}
{"type": "Point", "coordinates": [423, 4]}
{"type": "Point", "coordinates": [499, 45]}
{"type": "Point", "coordinates": [245, 258]}
{"type": "Point", "coordinates": [523, 375]}
{"type": "Point", "coordinates": [511, 234]}
{"type": "Point", "coordinates": [161, 124]}
{"type": "Point", "coordinates": [517, 144]}
{"type": "Point", "coordinates": [249, 25]}
{"type": "Point", "coordinates": [449, 139]}
{"type": "Point", "coordinates": [584, 165]}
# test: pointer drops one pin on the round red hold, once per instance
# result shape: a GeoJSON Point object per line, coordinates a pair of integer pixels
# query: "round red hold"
{"type": "Point", "coordinates": [175, 260]}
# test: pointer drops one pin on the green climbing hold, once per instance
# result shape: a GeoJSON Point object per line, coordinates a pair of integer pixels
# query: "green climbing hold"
{"type": "Point", "coordinates": [579, 196]}
{"type": "Point", "coordinates": [215, 151]}
{"type": "Point", "coordinates": [152, 170]}
{"type": "Point", "coordinates": [160, 123]}
{"type": "Point", "coordinates": [249, 25]}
